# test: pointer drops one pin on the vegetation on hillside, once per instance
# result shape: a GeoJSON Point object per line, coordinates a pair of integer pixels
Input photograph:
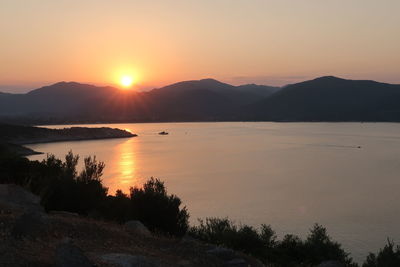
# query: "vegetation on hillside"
{"type": "Point", "coordinates": [263, 243]}
{"type": "Point", "coordinates": [389, 256]}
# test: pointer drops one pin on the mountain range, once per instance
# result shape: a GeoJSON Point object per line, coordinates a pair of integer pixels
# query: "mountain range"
{"type": "Point", "coordinates": [322, 99]}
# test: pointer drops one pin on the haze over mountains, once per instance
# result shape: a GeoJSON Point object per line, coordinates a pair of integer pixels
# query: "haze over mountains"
{"type": "Point", "coordinates": [322, 99]}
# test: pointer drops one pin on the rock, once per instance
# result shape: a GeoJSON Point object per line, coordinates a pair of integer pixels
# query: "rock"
{"type": "Point", "coordinates": [31, 224]}
{"type": "Point", "coordinates": [331, 264]}
{"type": "Point", "coordinates": [127, 260]}
{"type": "Point", "coordinates": [68, 255]}
{"type": "Point", "coordinates": [15, 198]}
{"type": "Point", "coordinates": [138, 228]}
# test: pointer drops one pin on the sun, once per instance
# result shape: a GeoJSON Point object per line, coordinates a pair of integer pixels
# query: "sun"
{"type": "Point", "coordinates": [126, 81]}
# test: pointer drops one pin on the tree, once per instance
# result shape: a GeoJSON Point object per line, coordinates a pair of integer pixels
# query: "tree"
{"type": "Point", "coordinates": [157, 210]}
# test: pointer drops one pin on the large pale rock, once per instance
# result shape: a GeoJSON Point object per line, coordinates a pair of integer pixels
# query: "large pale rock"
{"type": "Point", "coordinates": [127, 260]}
{"type": "Point", "coordinates": [137, 228]}
{"type": "Point", "coordinates": [15, 198]}
{"type": "Point", "coordinates": [68, 255]}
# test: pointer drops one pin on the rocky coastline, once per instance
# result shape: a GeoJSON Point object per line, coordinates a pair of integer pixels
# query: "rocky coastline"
{"type": "Point", "coordinates": [13, 137]}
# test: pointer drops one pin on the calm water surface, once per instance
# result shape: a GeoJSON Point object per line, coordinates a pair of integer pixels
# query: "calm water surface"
{"type": "Point", "coordinates": [344, 176]}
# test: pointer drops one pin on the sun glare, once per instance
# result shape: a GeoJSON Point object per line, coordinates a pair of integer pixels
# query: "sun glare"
{"type": "Point", "coordinates": [126, 81]}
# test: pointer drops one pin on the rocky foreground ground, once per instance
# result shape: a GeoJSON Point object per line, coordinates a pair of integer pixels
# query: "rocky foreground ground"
{"type": "Point", "coordinates": [31, 237]}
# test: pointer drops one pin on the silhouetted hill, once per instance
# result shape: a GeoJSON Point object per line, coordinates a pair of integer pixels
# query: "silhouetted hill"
{"type": "Point", "coordinates": [222, 88]}
{"type": "Point", "coordinates": [330, 99]}
{"type": "Point", "coordinates": [66, 102]}
{"type": "Point", "coordinates": [206, 99]}
{"type": "Point", "coordinates": [204, 84]}
{"type": "Point", "coordinates": [323, 99]}
{"type": "Point", "coordinates": [260, 90]}
{"type": "Point", "coordinates": [57, 99]}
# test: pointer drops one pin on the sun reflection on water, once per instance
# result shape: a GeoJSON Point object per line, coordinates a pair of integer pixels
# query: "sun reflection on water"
{"type": "Point", "coordinates": [126, 166]}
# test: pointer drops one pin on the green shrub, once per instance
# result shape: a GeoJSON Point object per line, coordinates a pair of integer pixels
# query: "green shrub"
{"type": "Point", "coordinates": [319, 247]}
{"type": "Point", "coordinates": [57, 182]}
{"type": "Point", "coordinates": [63, 189]}
{"type": "Point", "coordinates": [263, 244]}
{"type": "Point", "coordinates": [158, 210]}
{"type": "Point", "coordinates": [289, 252]}
{"type": "Point", "coordinates": [389, 256]}
{"type": "Point", "coordinates": [117, 208]}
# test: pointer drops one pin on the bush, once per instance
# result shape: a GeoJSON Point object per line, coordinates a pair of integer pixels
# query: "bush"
{"type": "Point", "coordinates": [157, 210]}
{"type": "Point", "coordinates": [57, 182]}
{"type": "Point", "coordinates": [289, 252]}
{"type": "Point", "coordinates": [117, 208]}
{"type": "Point", "coordinates": [225, 232]}
{"type": "Point", "coordinates": [62, 189]}
{"type": "Point", "coordinates": [320, 247]}
{"type": "Point", "coordinates": [389, 256]}
{"type": "Point", "coordinates": [263, 244]}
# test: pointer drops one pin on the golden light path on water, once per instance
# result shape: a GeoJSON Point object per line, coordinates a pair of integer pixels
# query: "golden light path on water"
{"type": "Point", "coordinates": [126, 158]}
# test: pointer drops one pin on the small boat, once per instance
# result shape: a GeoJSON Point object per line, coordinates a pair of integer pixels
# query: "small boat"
{"type": "Point", "coordinates": [163, 133]}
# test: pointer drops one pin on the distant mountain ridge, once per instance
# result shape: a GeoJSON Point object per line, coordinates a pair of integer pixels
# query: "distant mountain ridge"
{"type": "Point", "coordinates": [65, 102]}
{"type": "Point", "coordinates": [323, 99]}
{"type": "Point", "coordinates": [331, 99]}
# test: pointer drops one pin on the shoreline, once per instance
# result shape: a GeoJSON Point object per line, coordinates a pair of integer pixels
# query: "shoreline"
{"type": "Point", "coordinates": [14, 137]}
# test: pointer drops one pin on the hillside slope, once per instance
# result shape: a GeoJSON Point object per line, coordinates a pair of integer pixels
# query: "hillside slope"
{"type": "Point", "coordinates": [65, 102]}
{"type": "Point", "coordinates": [322, 99]}
{"type": "Point", "coordinates": [330, 99]}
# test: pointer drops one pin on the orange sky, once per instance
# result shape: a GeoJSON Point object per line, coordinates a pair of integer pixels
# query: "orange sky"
{"type": "Point", "coordinates": [159, 42]}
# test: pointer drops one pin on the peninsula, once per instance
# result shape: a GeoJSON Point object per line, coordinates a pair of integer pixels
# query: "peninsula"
{"type": "Point", "coordinates": [14, 136]}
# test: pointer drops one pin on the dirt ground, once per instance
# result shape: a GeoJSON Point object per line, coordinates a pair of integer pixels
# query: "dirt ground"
{"type": "Point", "coordinates": [97, 238]}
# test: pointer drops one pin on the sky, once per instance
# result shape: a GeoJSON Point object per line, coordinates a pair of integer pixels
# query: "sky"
{"type": "Point", "coordinates": [272, 42]}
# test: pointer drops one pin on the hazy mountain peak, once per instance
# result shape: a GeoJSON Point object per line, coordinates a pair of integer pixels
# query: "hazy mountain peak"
{"type": "Point", "coordinates": [329, 78]}
{"type": "Point", "coordinates": [332, 80]}
{"type": "Point", "coordinates": [203, 84]}
{"type": "Point", "coordinates": [206, 81]}
{"type": "Point", "coordinates": [63, 83]}
{"type": "Point", "coordinates": [68, 87]}
{"type": "Point", "coordinates": [210, 80]}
